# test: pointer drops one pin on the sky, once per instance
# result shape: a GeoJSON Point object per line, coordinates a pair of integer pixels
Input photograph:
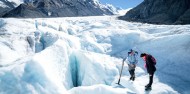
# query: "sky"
{"type": "Point", "coordinates": [122, 3]}
{"type": "Point", "coordinates": [87, 52]}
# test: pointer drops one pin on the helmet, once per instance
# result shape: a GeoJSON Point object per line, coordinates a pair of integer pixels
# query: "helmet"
{"type": "Point", "coordinates": [131, 50]}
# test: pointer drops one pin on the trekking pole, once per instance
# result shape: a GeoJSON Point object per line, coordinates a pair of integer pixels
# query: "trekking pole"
{"type": "Point", "coordinates": [120, 73]}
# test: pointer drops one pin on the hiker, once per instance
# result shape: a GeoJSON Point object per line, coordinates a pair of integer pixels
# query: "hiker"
{"type": "Point", "coordinates": [132, 61]}
{"type": "Point", "coordinates": [150, 63]}
{"type": "Point", "coordinates": [36, 24]}
{"type": "Point", "coordinates": [60, 27]}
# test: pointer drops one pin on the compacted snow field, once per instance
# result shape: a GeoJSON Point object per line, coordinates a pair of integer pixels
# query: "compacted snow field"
{"type": "Point", "coordinates": [83, 55]}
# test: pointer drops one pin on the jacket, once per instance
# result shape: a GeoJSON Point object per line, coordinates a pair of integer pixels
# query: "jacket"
{"type": "Point", "coordinates": [150, 65]}
{"type": "Point", "coordinates": [132, 61]}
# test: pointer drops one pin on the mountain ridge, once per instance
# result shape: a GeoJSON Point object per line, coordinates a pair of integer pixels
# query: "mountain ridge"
{"type": "Point", "coordinates": [6, 6]}
{"type": "Point", "coordinates": [59, 8]}
{"type": "Point", "coordinates": [160, 12]}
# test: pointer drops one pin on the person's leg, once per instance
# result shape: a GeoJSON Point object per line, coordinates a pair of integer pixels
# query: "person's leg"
{"type": "Point", "coordinates": [130, 72]}
{"type": "Point", "coordinates": [133, 74]}
{"type": "Point", "coordinates": [150, 80]}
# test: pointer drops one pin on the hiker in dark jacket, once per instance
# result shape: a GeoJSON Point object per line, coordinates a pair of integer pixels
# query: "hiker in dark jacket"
{"type": "Point", "coordinates": [150, 66]}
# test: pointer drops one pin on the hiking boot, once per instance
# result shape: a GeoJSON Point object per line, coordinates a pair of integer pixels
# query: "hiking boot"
{"type": "Point", "coordinates": [133, 78]}
{"type": "Point", "coordinates": [147, 85]}
{"type": "Point", "coordinates": [130, 78]}
{"type": "Point", "coordinates": [148, 88]}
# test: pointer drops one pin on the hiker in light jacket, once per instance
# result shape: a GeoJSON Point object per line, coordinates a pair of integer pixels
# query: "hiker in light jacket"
{"type": "Point", "coordinates": [132, 61]}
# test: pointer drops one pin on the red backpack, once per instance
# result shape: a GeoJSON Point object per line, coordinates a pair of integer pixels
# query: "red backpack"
{"type": "Point", "coordinates": [153, 59]}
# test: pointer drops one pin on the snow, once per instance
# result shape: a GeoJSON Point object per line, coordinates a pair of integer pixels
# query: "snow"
{"type": "Point", "coordinates": [123, 11]}
{"type": "Point", "coordinates": [83, 55]}
{"type": "Point", "coordinates": [2, 4]}
{"type": "Point", "coordinates": [15, 3]}
{"type": "Point", "coordinates": [18, 2]}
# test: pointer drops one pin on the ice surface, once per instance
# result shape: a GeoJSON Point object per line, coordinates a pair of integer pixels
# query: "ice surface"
{"type": "Point", "coordinates": [85, 56]}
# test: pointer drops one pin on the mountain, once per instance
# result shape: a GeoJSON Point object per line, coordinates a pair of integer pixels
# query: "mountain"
{"type": "Point", "coordinates": [160, 12]}
{"type": "Point", "coordinates": [7, 5]}
{"type": "Point", "coordinates": [59, 8]}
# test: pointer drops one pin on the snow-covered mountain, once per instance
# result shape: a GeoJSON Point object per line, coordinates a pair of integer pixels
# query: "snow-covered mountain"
{"type": "Point", "coordinates": [83, 55]}
{"type": "Point", "coordinates": [7, 5]}
{"type": "Point", "coordinates": [61, 8]}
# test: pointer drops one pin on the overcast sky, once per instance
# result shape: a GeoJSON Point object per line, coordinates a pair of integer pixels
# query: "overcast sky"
{"type": "Point", "coordinates": [122, 3]}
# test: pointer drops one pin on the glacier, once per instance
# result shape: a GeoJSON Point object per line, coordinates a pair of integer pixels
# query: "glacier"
{"type": "Point", "coordinates": [83, 55]}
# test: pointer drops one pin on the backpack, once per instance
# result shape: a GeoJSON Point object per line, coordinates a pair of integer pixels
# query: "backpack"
{"type": "Point", "coordinates": [153, 59]}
